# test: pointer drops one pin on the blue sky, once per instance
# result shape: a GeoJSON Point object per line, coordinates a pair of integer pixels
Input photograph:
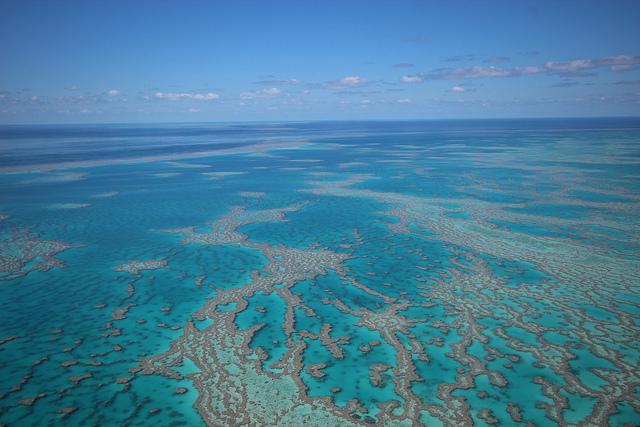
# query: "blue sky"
{"type": "Point", "coordinates": [165, 61]}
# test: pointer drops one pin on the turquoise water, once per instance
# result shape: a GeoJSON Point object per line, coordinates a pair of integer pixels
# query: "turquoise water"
{"type": "Point", "coordinates": [327, 273]}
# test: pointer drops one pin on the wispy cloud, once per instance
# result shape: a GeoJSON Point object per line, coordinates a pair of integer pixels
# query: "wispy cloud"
{"type": "Point", "coordinates": [575, 68]}
{"type": "Point", "coordinates": [628, 82]}
{"type": "Point", "coordinates": [460, 58]}
{"type": "Point", "coordinates": [478, 71]}
{"type": "Point", "coordinates": [457, 89]}
{"type": "Point", "coordinates": [113, 92]}
{"type": "Point", "coordinates": [264, 93]}
{"type": "Point", "coordinates": [278, 82]}
{"type": "Point", "coordinates": [347, 82]}
{"type": "Point", "coordinates": [180, 96]}
{"type": "Point", "coordinates": [412, 78]}
{"type": "Point", "coordinates": [497, 60]}
{"type": "Point", "coordinates": [404, 65]}
{"type": "Point", "coordinates": [620, 62]}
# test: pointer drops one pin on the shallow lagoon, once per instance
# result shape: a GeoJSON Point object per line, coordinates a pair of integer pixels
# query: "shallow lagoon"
{"type": "Point", "coordinates": [322, 273]}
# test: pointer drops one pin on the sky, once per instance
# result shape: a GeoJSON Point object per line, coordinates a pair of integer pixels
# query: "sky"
{"type": "Point", "coordinates": [189, 61]}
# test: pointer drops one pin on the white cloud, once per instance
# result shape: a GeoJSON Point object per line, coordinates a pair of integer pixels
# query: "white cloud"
{"type": "Point", "coordinates": [530, 69]}
{"type": "Point", "coordinates": [179, 96]}
{"type": "Point", "coordinates": [615, 63]}
{"type": "Point", "coordinates": [569, 66]}
{"type": "Point", "coordinates": [574, 67]}
{"type": "Point", "coordinates": [414, 78]}
{"type": "Point", "coordinates": [264, 93]}
{"type": "Point", "coordinates": [353, 81]}
{"type": "Point", "coordinates": [272, 91]}
{"type": "Point", "coordinates": [621, 62]}
{"type": "Point", "coordinates": [626, 67]}
{"type": "Point", "coordinates": [277, 82]}
{"type": "Point", "coordinates": [404, 101]}
{"type": "Point", "coordinates": [474, 72]}
{"type": "Point", "coordinates": [457, 89]}
{"type": "Point", "coordinates": [209, 96]}
{"type": "Point", "coordinates": [113, 92]}
{"type": "Point", "coordinates": [347, 82]}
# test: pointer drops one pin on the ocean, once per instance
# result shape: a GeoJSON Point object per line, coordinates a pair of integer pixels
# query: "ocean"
{"type": "Point", "coordinates": [455, 272]}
